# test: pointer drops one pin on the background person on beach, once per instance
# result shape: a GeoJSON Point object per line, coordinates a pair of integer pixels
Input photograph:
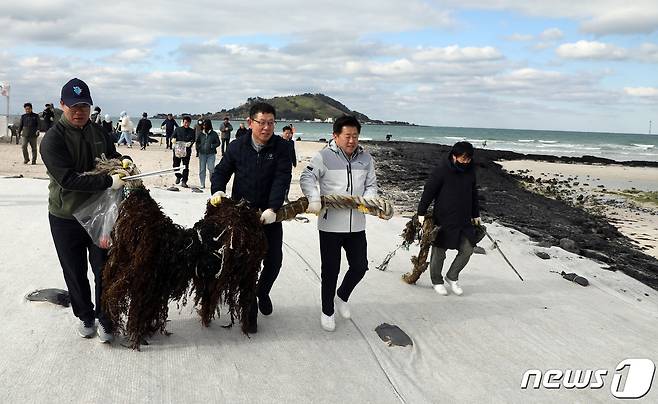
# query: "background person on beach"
{"type": "Point", "coordinates": [68, 150]}
{"type": "Point", "coordinates": [126, 127]}
{"type": "Point", "coordinates": [48, 116]}
{"type": "Point", "coordinates": [143, 128]}
{"type": "Point", "coordinates": [225, 129]}
{"type": "Point", "coordinates": [183, 138]}
{"type": "Point", "coordinates": [452, 187]}
{"type": "Point", "coordinates": [169, 125]}
{"type": "Point", "coordinates": [344, 168]}
{"type": "Point", "coordinates": [207, 143]}
{"type": "Point", "coordinates": [287, 136]}
{"type": "Point", "coordinates": [107, 126]}
{"type": "Point", "coordinates": [96, 116]}
{"type": "Point", "coordinates": [261, 164]}
{"type": "Point", "coordinates": [29, 131]}
{"type": "Point", "coordinates": [241, 131]}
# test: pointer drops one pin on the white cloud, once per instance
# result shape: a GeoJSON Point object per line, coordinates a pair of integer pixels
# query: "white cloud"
{"type": "Point", "coordinates": [551, 34]}
{"type": "Point", "coordinates": [455, 53]}
{"type": "Point", "coordinates": [599, 17]}
{"type": "Point", "coordinates": [591, 50]}
{"type": "Point", "coordinates": [516, 37]}
{"type": "Point", "coordinates": [641, 91]}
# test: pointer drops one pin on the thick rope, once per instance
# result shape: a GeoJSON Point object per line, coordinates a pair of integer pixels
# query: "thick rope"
{"type": "Point", "coordinates": [379, 207]}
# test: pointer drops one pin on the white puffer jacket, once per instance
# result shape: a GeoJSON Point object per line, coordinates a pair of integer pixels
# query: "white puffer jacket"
{"type": "Point", "coordinates": [337, 174]}
{"type": "Point", "coordinates": [126, 124]}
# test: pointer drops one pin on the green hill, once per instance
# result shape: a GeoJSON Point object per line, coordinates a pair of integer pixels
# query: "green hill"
{"type": "Point", "coordinates": [297, 107]}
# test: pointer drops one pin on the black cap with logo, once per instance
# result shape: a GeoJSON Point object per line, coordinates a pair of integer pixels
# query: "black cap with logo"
{"type": "Point", "coordinates": [76, 92]}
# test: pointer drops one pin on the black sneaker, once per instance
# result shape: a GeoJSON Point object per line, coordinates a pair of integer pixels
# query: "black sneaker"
{"type": "Point", "coordinates": [184, 184]}
{"type": "Point", "coordinates": [178, 180]}
{"type": "Point", "coordinates": [265, 305]}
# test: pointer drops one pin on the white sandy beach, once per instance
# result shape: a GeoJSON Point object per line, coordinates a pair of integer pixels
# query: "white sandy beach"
{"type": "Point", "coordinates": [472, 348]}
{"type": "Point", "coordinates": [640, 225]}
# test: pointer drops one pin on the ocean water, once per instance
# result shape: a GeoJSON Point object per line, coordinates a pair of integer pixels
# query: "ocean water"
{"type": "Point", "coordinates": [615, 146]}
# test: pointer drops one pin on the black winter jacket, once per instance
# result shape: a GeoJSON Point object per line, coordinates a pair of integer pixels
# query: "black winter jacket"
{"type": "Point", "coordinates": [455, 197]}
{"type": "Point", "coordinates": [144, 126]}
{"type": "Point", "coordinates": [170, 125]}
{"type": "Point", "coordinates": [260, 177]}
{"type": "Point", "coordinates": [29, 125]}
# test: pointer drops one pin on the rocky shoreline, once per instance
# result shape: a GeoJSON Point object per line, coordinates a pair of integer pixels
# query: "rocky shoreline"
{"type": "Point", "coordinates": [551, 218]}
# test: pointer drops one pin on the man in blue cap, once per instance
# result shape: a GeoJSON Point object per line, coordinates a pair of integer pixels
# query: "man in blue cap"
{"type": "Point", "coordinates": [68, 150]}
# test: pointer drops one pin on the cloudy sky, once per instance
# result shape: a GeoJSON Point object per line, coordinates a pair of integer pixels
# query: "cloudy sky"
{"type": "Point", "coordinates": [588, 65]}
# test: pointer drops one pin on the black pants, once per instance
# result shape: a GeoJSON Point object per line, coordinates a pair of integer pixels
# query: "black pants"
{"type": "Point", "coordinates": [186, 163]}
{"type": "Point", "coordinates": [144, 139]}
{"type": "Point", "coordinates": [72, 244]}
{"type": "Point", "coordinates": [168, 138]}
{"type": "Point", "coordinates": [271, 263]}
{"type": "Point", "coordinates": [356, 251]}
{"type": "Point", "coordinates": [225, 142]}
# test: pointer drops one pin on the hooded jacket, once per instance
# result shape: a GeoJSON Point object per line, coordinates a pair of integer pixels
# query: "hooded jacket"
{"type": "Point", "coordinates": [69, 153]}
{"type": "Point", "coordinates": [455, 197]}
{"type": "Point", "coordinates": [338, 174]}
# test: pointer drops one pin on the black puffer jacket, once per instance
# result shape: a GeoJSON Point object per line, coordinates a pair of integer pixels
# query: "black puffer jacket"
{"type": "Point", "coordinates": [455, 197]}
{"type": "Point", "coordinates": [260, 177]}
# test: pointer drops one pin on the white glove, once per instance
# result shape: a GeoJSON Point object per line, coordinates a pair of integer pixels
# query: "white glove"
{"type": "Point", "coordinates": [314, 207]}
{"type": "Point", "coordinates": [216, 198]}
{"type": "Point", "coordinates": [117, 182]}
{"type": "Point", "coordinates": [476, 221]}
{"type": "Point", "coordinates": [268, 217]}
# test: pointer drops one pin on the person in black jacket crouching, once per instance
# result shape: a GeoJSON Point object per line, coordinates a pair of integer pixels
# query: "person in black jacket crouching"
{"type": "Point", "coordinates": [452, 187]}
{"type": "Point", "coordinates": [261, 165]}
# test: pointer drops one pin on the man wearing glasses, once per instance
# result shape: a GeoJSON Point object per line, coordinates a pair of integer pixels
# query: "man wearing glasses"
{"type": "Point", "coordinates": [452, 187]}
{"type": "Point", "coordinates": [262, 168]}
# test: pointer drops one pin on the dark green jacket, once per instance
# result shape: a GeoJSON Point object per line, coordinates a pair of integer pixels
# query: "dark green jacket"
{"type": "Point", "coordinates": [68, 153]}
{"type": "Point", "coordinates": [207, 143]}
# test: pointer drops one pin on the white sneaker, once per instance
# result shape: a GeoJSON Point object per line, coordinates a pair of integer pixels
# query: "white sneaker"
{"type": "Point", "coordinates": [455, 287]}
{"type": "Point", "coordinates": [328, 322]}
{"type": "Point", "coordinates": [342, 307]}
{"type": "Point", "coordinates": [440, 289]}
{"type": "Point", "coordinates": [105, 336]}
{"type": "Point", "coordinates": [87, 329]}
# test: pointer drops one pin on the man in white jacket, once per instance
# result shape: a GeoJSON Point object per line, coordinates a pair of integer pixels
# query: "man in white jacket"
{"type": "Point", "coordinates": [342, 168]}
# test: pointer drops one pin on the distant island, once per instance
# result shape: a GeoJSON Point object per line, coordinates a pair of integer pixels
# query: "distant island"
{"type": "Point", "coordinates": [304, 107]}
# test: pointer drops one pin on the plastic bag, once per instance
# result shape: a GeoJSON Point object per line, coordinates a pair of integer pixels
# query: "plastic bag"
{"type": "Point", "coordinates": [98, 215]}
{"type": "Point", "coordinates": [180, 150]}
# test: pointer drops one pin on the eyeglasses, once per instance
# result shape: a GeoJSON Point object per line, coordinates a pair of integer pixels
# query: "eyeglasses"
{"type": "Point", "coordinates": [264, 123]}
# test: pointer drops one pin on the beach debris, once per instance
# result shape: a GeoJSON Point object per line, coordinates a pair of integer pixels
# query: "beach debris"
{"type": "Point", "coordinates": [573, 277]}
{"type": "Point", "coordinates": [392, 335]}
{"type": "Point", "coordinates": [596, 255]}
{"type": "Point", "coordinates": [231, 247]}
{"type": "Point", "coordinates": [174, 189]}
{"type": "Point", "coordinates": [542, 255]}
{"type": "Point", "coordinates": [427, 235]}
{"type": "Point", "coordinates": [569, 245]}
{"type": "Point", "coordinates": [56, 296]}
{"type": "Point", "coordinates": [14, 176]}
{"type": "Point", "coordinates": [409, 235]}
